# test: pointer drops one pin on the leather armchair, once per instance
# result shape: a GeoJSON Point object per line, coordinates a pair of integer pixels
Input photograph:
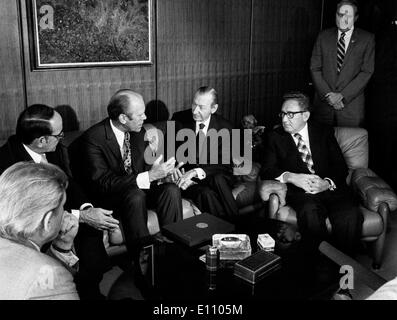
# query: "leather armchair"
{"type": "Point", "coordinates": [377, 198]}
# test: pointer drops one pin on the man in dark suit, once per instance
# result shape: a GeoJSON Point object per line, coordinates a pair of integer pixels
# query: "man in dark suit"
{"type": "Point", "coordinates": [38, 133]}
{"type": "Point", "coordinates": [110, 161]}
{"type": "Point", "coordinates": [209, 183]}
{"type": "Point", "coordinates": [342, 63]}
{"type": "Point", "coordinates": [307, 157]}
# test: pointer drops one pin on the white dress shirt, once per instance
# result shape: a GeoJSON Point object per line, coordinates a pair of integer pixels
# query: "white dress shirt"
{"type": "Point", "coordinates": [142, 180]}
{"type": "Point", "coordinates": [200, 172]}
{"type": "Point", "coordinates": [347, 38]}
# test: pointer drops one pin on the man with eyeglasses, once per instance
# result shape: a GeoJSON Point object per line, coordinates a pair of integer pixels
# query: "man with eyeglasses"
{"type": "Point", "coordinates": [38, 133]}
{"type": "Point", "coordinates": [306, 156]}
{"type": "Point", "coordinates": [342, 63]}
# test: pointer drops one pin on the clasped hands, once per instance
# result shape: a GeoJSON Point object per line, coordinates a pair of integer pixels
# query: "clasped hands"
{"type": "Point", "coordinates": [311, 183]}
{"type": "Point", "coordinates": [334, 99]}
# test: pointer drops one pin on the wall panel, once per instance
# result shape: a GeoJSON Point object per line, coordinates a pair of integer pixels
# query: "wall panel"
{"type": "Point", "coordinates": [204, 42]}
{"type": "Point", "coordinates": [283, 36]}
{"type": "Point", "coordinates": [11, 76]}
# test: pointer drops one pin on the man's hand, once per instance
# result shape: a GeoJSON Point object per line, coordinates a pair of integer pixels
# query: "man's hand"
{"type": "Point", "coordinates": [339, 106]}
{"type": "Point", "coordinates": [301, 180]}
{"type": "Point", "coordinates": [99, 218]}
{"type": "Point", "coordinates": [161, 170]}
{"type": "Point", "coordinates": [175, 174]}
{"type": "Point", "coordinates": [186, 180]}
{"type": "Point", "coordinates": [69, 228]}
{"type": "Point", "coordinates": [333, 98]}
{"type": "Point", "coordinates": [318, 185]}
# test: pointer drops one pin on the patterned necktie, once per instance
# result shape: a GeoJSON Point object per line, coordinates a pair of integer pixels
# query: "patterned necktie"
{"type": "Point", "coordinates": [341, 51]}
{"type": "Point", "coordinates": [304, 153]}
{"type": "Point", "coordinates": [127, 153]}
{"type": "Point", "coordinates": [200, 137]}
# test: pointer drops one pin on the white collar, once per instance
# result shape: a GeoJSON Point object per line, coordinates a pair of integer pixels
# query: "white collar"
{"type": "Point", "coordinates": [348, 33]}
{"type": "Point", "coordinates": [304, 132]}
{"type": "Point", "coordinates": [206, 124]}
{"type": "Point", "coordinates": [118, 133]}
{"type": "Point", "coordinates": [34, 155]}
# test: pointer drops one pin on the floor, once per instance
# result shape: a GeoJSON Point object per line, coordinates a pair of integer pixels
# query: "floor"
{"type": "Point", "coordinates": [388, 270]}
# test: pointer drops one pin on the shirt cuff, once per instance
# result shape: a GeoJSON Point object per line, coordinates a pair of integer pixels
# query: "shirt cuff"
{"type": "Point", "coordinates": [281, 177]}
{"type": "Point", "coordinates": [76, 213]}
{"type": "Point", "coordinates": [200, 173]}
{"type": "Point", "coordinates": [143, 181]}
{"type": "Point", "coordinates": [332, 185]}
{"type": "Point", "coordinates": [69, 258]}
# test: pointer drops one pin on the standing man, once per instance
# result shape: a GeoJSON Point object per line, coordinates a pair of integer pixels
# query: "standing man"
{"type": "Point", "coordinates": [342, 63]}
{"type": "Point", "coordinates": [307, 157]}
{"type": "Point", "coordinates": [32, 215]}
{"type": "Point", "coordinates": [109, 161]}
{"type": "Point", "coordinates": [209, 184]}
{"type": "Point", "coordinates": [38, 133]}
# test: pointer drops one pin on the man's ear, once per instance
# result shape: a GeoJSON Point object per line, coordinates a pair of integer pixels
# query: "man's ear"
{"type": "Point", "coordinates": [121, 118]}
{"type": "Point", "coordinates": [214, 108]}
{"type": "Point", "coordinates": [306, 116]}
{"type": "Point", "coordinates": [41, 141]}
{"type": "Point", "coordinates": [47, 220]}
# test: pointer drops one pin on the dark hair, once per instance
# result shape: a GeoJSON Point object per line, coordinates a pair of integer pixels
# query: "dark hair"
{"type": "Point", "coordinates": [118, 103]}
{"type": "Point", "coordinates": [207, 89]}
{"type": "Point", "coordinates": [352, 3]}
{"type": "Point", "coordinates": [301, 98]}
{"type": "Point", "coordinates": [34, 122]}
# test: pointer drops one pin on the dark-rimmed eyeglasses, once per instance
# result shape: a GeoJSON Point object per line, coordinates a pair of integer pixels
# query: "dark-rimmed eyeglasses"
{"type": "Point", "coordinates": [59, 136]}
{"type": "Point", "coordinates": [289, 114]}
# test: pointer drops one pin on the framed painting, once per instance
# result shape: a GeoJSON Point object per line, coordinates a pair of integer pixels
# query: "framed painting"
{"type": "Point", "coordinates": [90, 33]}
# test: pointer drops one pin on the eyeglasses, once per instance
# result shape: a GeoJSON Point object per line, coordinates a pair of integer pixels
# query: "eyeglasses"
{"type": "Point", "coordinates": [289, 114]}
{"type": "Point", "coordinates": [59, 136]}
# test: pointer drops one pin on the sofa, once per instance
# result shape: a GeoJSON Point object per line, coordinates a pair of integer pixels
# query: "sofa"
{"type": "Point", "coordinates": [377, 199]}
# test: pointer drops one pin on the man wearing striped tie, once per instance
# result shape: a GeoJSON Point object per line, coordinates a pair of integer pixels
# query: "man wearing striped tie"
{"type": "Point", "coordinates": [342, 63]}
{"type": "Point", "coordinates": [307, 157]}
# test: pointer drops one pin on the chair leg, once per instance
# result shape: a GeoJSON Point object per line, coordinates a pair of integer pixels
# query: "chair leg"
{"type": "Point", "coordinates": [378, 245]}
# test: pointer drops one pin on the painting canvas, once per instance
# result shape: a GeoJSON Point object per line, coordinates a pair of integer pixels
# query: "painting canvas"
{"type": "Point", "coordinates": [83, 33]}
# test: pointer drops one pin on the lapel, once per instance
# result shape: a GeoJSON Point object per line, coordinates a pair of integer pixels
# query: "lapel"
{"type": "Point", "coordinates": [334, 45]}
{"type": "Point", "coordinates": [19, 151]}
{"type": "Point", "coordinates": [112, 143]}
{"type": "Point", "coordinates": [315, 146]}
{"type": "Point", "coordinates": [291, 145]}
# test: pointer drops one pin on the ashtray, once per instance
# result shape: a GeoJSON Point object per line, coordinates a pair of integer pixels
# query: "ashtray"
{"type": "Point", "coordinates": [230, 242]}
{"type": "Point", "coordinates": [232, 246]}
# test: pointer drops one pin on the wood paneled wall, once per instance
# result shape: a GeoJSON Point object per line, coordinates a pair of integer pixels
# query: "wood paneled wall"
{"type": "Point", "coordinates": [251, 51]}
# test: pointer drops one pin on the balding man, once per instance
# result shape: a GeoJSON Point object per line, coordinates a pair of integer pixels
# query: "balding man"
{"type": "Point", "coordinates": [109, 159]}
{"type": "Point", "coordinates": [38, 134]}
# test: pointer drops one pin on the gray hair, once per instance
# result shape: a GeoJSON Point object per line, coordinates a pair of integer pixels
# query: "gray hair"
{"type": "Point", "coordinates": [27, 192]}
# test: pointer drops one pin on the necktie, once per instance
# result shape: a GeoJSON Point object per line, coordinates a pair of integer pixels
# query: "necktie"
{"type": "Point", "coordinates": [341, 51]}
{"type": "Point", "coordinates": [200, 137]}
{"type": "Point", "coordinates": [127, 153]}
{"type": "Point", "coordinates": [304, 153]}
{"type": "Point", "coordinates": [43, 158]}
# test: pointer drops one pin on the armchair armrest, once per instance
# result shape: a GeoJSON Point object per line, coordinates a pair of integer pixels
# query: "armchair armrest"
{"type": "Point", "coordinates": [268, 187]}
{"type": "Point", "coordinates": [372, 190]}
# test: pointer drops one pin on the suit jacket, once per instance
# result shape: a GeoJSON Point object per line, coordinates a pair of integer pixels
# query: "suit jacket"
{"type": "Point", "coordinates": [281, 155]}
{"type": "Point", "coordinates": [357, 68]}
{"type": "Point", "coordinates": [217, 122]}
{"type": "Point", "coordinates": [13, 151]}
{"type": "Point", "coordinates": [97, 161]}
{"type": "Point", "coordinates": [26, 273]}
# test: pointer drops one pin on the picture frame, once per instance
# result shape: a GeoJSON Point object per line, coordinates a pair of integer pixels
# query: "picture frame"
{"type": "Point", "coordinates": [91, 33]}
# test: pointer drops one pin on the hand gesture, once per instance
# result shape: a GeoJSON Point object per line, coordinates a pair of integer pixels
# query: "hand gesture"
{"type": "Point", "coordinates": [161, 170]}
{"type": "Point", "coordinates": [333, 98]}
{"type": "Point", "coordinates": [186, 181]}
{"type": "Point", "coordinates": [175, 174]}
{"type": "Point", "coordinates": [68, 231]}
{"type": "Point", "coordinates": [99, 219]}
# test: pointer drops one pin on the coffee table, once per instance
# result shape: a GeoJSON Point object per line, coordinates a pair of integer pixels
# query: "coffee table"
{"type": "Point", "coordinates": [181, 275]}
